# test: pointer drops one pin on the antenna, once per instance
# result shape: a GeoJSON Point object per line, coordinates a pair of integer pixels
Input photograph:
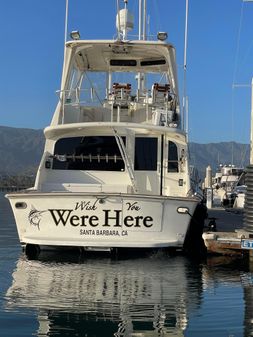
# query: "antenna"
{"type": "Point", "coordinates": [66, 20]}
{"type": "Point", "coordinates": [140, 19]}
{"type": "Point", "coordinates": [118, 18]}
{"type": "Point", "coordinates": [185, 61]}
{"type": "Point", "coordinates": [124, 21]}
{"type": "Point", "coordinates": [144, 19]}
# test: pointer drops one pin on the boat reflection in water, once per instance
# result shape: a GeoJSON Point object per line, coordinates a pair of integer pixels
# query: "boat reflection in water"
{"type": "Point", "coordinates": [148, 296]}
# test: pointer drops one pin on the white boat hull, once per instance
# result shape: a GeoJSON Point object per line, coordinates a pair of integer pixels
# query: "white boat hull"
{"type": "Point", "coordinates": [100, 221]}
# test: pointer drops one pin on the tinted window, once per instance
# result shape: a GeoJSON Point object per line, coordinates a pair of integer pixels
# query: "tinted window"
{"type": "Point", "coordinates": [172, 157]}
{"type": "Point", "coordinates": [145, 154]}
{"type": "Point", "coordinates": [152, 62]}
{"type": "Point", "coordinates": [124, 63]}
{"type": "Point", "coordinates": [88, 153]}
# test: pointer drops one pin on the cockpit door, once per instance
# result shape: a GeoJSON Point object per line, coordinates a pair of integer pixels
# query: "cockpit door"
{"type": "Point", "coordinates": [173, 173]}
{"type": "Point", "coordinates": [147, 164]}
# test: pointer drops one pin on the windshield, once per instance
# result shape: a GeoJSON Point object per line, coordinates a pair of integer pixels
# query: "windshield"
{"type": "Point", "coordinates": [93, 88]}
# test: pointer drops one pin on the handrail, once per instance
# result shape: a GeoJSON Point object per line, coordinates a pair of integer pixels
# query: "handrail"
{"type": "Point", "coordinates": [128, 164]}
{"type": "Point", "coordinates": [98, 157]}
{"type": "Point", "coordinates": [74, 96]}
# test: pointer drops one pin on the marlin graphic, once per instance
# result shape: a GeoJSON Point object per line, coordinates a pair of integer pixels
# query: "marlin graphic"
{"type": "Point", "coordinates": [34, 217]}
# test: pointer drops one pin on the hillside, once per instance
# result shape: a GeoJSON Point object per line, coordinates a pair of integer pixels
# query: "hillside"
{"type": "Point", "coordinates": [213, 154]}
{"type": "Point", "coordinates": [21, 150]}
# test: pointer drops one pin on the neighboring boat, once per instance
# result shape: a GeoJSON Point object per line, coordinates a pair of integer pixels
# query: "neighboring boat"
{"type": "Point", "coordinates": [226, 185]}
{"type": "Point", "coordinates": [115, 170]}
{"type": "Point", "coordinates": [238, 196]}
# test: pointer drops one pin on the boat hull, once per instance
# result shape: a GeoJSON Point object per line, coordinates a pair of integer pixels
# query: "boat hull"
{"type": "Point", "coordinates": [101, 220]}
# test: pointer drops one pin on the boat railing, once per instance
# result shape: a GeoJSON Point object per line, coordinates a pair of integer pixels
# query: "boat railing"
{"type": "Point", "coordinates": [92, 96]}
{"type": "Point", "coordinates": [79, 97]}
{"type": "Point", "coordinates": [158, 107]}
{"type": "Point", "coordinates": [173, 165]}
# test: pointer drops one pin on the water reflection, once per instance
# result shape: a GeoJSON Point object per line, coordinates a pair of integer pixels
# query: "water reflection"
{"type": "Point", "coordinates": [148, 296]}
{"type": "Point", "coordinates": [247, 283]}
{"type": "Point", "coordinates": [229, 282]}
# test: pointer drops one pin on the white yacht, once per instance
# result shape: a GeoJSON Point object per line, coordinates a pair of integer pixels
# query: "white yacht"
{"type": "Point", "coordinates": [115, 170]}
{"type": "Point", "coordinates": [229, 186]}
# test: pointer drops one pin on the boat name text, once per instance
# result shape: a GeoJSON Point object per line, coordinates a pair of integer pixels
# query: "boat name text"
{"type": "Point", "coordinates": [111, 218]}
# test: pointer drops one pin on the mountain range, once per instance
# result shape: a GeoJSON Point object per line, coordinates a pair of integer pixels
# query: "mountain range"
{"type": "Point", "coordinates": [21, 151]}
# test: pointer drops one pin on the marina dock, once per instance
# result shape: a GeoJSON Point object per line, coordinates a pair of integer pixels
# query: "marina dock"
{"type": "Point", "coordinates": [227, 219]}
{"type": "Point", "coordinates": [227, 237]}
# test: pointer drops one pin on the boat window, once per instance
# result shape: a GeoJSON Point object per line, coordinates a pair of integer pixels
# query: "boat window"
{"type": "Point", "coordinates": [124, 63]}
{"type": "Point", "coordinates": [153, 62]}
{"type": "Point", "coordinates": [92, 88]}
{"type": "Point", "coordinates": [145, 154]}
{"type": "Point", "coordinates": [236, 171]}
{"type": "Point", "coordinates": [75, 78]}
{"type": "Point", "coordinates": [85, 88]}
{"type": "Point", "coordinates": [172, 157]}
{"type": "Point", "coordinates": [99, 153]}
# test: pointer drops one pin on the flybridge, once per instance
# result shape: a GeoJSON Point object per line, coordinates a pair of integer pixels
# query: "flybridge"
{"type": "Point", "coordinates": [120, 80]}
{"type": "Point", "coordinates": [101, 86]}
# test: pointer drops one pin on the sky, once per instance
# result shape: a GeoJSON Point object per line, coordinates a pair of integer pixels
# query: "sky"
{"type": "Point", "coordinates": [219, 58]}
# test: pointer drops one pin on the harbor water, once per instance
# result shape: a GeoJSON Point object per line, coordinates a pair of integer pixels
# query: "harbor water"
{"type": "Point", "coordinates": [157, 294]}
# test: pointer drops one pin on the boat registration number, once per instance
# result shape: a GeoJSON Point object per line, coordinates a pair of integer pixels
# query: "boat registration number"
{"type": "Point", "coordinates": [247, 244]}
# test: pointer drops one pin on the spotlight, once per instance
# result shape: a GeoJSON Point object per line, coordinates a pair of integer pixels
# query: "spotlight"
{"type": "Point", "coordinates": [162, 36]}
{"type": "Point", "coordinates": [75, 35]}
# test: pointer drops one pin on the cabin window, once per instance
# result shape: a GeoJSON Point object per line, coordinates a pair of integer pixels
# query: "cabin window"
{"type": "Point", "coordinates": [172, 157]}
{"type": "Point", "coordinates": [124, 63]}
{"type": "Point", "coordinates": [145, 154]}
{"type": "Point", "coordinates": [153, 62]}
{"type": "Point", "coordinates": [100, 153]}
